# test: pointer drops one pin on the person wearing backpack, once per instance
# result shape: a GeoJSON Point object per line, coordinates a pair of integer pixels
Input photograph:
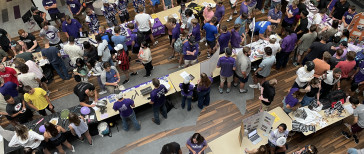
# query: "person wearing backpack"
{"type": "Point", "coordinates": [106, 36]}
{"type": "Point", "coordinates": [123, 61]}
{"type": "Point", "coordinates": [178, 47]}
{"type": "Point", "coordinates": [135, 46]}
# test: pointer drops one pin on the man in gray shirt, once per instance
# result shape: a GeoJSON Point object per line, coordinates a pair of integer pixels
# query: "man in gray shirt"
{"type": "Point", "coordinates": [264, 68]}
{"type": "Point", "coordinates": [243, 67]}
{"type": "Point", "coordinates": [304, 43]}
{"type": "Point", "coordinates": [358, 123]}
{"type": "Point", "coordinates": [51, 33]}
{"type": "Point", "coordinates": [103, 50]}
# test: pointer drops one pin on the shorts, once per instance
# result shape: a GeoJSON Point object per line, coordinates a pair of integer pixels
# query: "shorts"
{"type": "Point", "coordinates": [55, 16]}
{"type": "Point", "coordinates": [190, 62]}
{"type": "Point", "coordinates": [295, 85]}
{"type": "Point", "coordinates": [356, 128]}
{"type": "Point", "coordinates": [259, 76]}
{"type": "Point", "coordinates": [124, 17]}
{"type": "Point", "coordinates": [58, 141]}
{"type": "Point", "coordinates": [43, 112]}
{"type": "Point", "coordinates": [300, 51]}
{"type": "Point", "coordinates": [286, 24]}
{"type": "Point", "coordinates": [43, 79]}
{"type": "Point", "coordinates": [124, 67]}
{"type": "Point", "coordinates": [265, 107]}
{"type": "Point", "coordinates": [250, 9]}
{"type": "Point", "coordinates": [211, 44]}
{"type": "Point", "coordinates": [228, 79]}
{"type": "Point", "coordinates": [147, 33]}
{"type": "Point", "coordinates": [242, 79]}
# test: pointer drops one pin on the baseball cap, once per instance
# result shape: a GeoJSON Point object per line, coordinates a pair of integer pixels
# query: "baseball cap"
{"type": "Point", "coordinates": [33, 8]}
{"type": "Point", "coordinates": [272, 37]}
{"type": "Point", "coordinates": [120, 95]}
{"type": "Point", "coordinates": [119, 47]}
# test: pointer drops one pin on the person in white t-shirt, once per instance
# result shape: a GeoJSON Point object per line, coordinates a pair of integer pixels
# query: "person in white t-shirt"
{"type": "Point", "coordinates": [72, 50]}
{"type": "Point", "coordinates": [304, 75]}
{"type": "Point", "coordinates": [27, 78]}
{"type": "Point", "coordinates": [317, 18]}
{"type": "Point", "coordinates": [281, 131]}
{"type": "Point", "coordinates": [273, 43]}
{"type": "Point", "coordinates": [144, 25]}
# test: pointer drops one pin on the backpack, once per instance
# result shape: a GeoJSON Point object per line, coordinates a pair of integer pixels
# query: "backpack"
{"type": "Point", "coordinates": [104, 129]}
{"type": "Point", "coordinates": [178, 45]}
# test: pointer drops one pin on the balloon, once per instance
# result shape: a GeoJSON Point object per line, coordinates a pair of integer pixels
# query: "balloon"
{"type": "Point", "coordinates": [85, 110]}
{"type": "Point", "coordinates": [42, 129]}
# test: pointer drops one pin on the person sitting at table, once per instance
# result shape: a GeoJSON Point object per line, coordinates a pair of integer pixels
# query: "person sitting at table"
{"type": "Point", "coordinates": [8, 74]}
{"type": "Point", "coordinates": [110, 77]}
{"type": "Point", "coordinates": [27, 78]}
{"type": "Point", "coordinates": [90, 52]}
{"type": "Point", "coordinates": [85, 90]}
{"type": "Point", "coordinates": [203, 90]}
{"type": "Point", "coordinates": [145, 56]}
{"type": "Point", "coordinates": [17, 110]}
{"type": "Point", "coordinates": [190, 51]}
{"type": "Point", "coordinates": [158, 99]}
{"type": "Point", "coordinates": [186, 92]}
{"type": "Point", "coordinates": [358, 123]}
{"type": "Point", "coordinates": [308, 149]}
{"type": "Point", "coordinates": [312, 92]}
{"type": "Point", "coordinates": [292, 101]}
{"type": "Point", "coordinates": [29, 41]}
{"type": "Point", "coordinates": [109, 11]}
{"type": "Point", "coordinates": [275, 15]}
{"type": "Point", "coordinates": [264, 68]}
{"type": "Point", "coordinates": [81, 70]}
{"type": "Point", "coordinates": [262, 29]}
{"type": "Point", "coordinates": [54, 135]}
{"type": "Point", "coordinates": [79, 127]}
{"type": "Point", "coordinates": [196, 144]}
{"type": "Point", "coordinates": [124, 63]}
{"type": "Point", "coordinates": [124, 106]}
{"type": "Point", "coordinates": [228, 66]}
{"type": "Point", "coordinates": [72, 50]}
{"type": "Point", "coordinates": [261, 150]}
{"type": "Point", "coordinates": [28, 139]}
{"type": "Point", "coordinates": [92, 21]}
{"type": "Point", "coordinates": [38, 100]}
{"type": "Point", "coordinates": [8, 88]}
{"type": "Point", "coordinates": [348, 16]}
{"type": "Point", "coordinates": [281, 131]}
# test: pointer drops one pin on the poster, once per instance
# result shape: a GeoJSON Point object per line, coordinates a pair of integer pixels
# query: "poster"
{"type": "Point", "coordinates": [261, 120]}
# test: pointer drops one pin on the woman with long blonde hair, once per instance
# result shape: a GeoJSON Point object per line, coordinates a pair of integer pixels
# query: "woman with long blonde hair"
{"type": "Point", "coordinates": [203, 89]}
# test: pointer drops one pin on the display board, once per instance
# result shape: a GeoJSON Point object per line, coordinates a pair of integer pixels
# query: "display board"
{"type": "Point", "coordinates": [261, 120]}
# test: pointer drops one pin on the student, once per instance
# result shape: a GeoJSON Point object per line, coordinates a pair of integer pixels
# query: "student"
{"type": "Point", "coordinates": [124, 63]}
{"type": "Point", "coordinates": [135, 45]}
{"type": "Point", "coordinates": [236, 39]}
{"type": "Point", "coordinates": [196, 29]}
{"type": "Point", "coordinates": [110, 77]}
{"type": "Point", "coordinates": [301, 28]}
{"type": "Point", "coordinates": [345, 36]}
{"type": "Point", "coordinates": [336, 58]}
{"type": "Point", "coordinates": [145, 56]}
{"type": "Point", "coordinates": [188, 27]}
{"type": "Point", "coordinates": [274, 45]}
{"type": "Point", "coordinates": [190, 52]}
{"type": "Point", "coordinates": [287, 46]}
{"type": "Point", "coordinates": [281, 131]}
{"type": "Point", "coordinates": [38, 100]}
{"type": "Point", "coordinates": [292, 101]}
{"type": "Point", "coordinates": [124, 106]}
{"type": "Point", "coordinates": [242, 20]}
{"type": "Point", "coordinates": [17, 110]}
{"type": "Point", "coordinates": [144, 26]}
{"type": "Point", "coordinates": [122, 6]}
{"type": "Point", "coordinates": [233, 4]}
{"type": "Point", "coordinates": [76, 9]}
{"type": "Point", "coordinates": [211, 32]}
{"type": "Point", "coordinates": [348, 65]}
{"type": "Point", "coordinates": [51, 7]}
{"type": "Point", "coordinates": [343, 46]}
{"type": "Point", "coordinates": [243, 68]}
{"type": "Point", "coordinates": [72, 50]}
{"type": "Point", "coordinates": [28, 78]}
{"type": "Point", "coordinates": [358, 123]}
{"type": "Point", "coordinates": [157, 99]}
{"type": "Point", "coordinates": [275, 14]}
{"type": "Point", "coordinates": [155, 4]}
{"type": "Point", "coordinates": [90, 52]}
{"type": "Point", "coordinates": [71, 27]}
{"type": "Point", "coordinates": [51, 33]}
{"type": "Point", "coordinates": [81, 70]}
{"type": "Point", "coordinates": [291, 11]}
{"type": "Point", "coordinates": [228, 66]}
{"type": "Point", "coordinates": [348, 16]}
{"type": "Point", "coordinates": [208, 14]}
{"type": "Point", "coordinates": [103, 50]}
{"type": "Point", "coordinates": [317, 49]}
{"type": "Point", "coordinates": [169, 27]}
{"type": "Point", "coordinates": [196, 144]}
{"type": "Point", "coordinates": [267, 93]}
{"type": "Point", "coordinates": [119, 39]}
{"type": "Point", "coordinates": [109, 11]}
{"type": "Point", "coordinates": [171, 148]}
{"type": "Point", "coordinates": [176, 31]}
{"type": "Point", "coordinates": [38, 16]}
{"type": "Point", "coordinates": [262, 28]}
{"type": "Point", "coordinates": [54, 135]}
{"type": "Point", "coordinates": [8, 88]}
{"type": "Point", "coordinates": [85, 90]}
{"type": "Point", "coordinates": [203, 89]}
{"type": "Point", "coordinates": [106, 36]}
{"type": "Point", "coordinates": [322, 65]}
{"type": "Point", "coordinates": [167, 4]}
{"type": "Point", "coordinates": [96, 70]}
{"type": "Point", "coordinates": [358, 78]}
{"type": "Point", "coordinates": [224, 39]}
{"type": "Point", "coordinates": [312, 92]}
{"type": "Point", "coordinates": [330, 79]}
{"type": "Point", "coordinates": [92, 21]}
{"type": "Point", "coordinates": [304, 75]}
{"type": "Point", "coordinates": [264, 68]}
{"type": "Point", "coordinates": [317, 18]}
{"type": "Point", "coordinates": [339, 9]}
{"type": "Point", "coordinates": [308, 149]}
{"type": "Point", "coordinates": [219, 12]}
{"type": "Point", "coordinates": [79, 127]}
{"type": "Point", "coordinates": [304, 43]}
{"type": "Point", "coordinates": [186, 92]}
{"type": "Point", "coordinates": [29, 40]}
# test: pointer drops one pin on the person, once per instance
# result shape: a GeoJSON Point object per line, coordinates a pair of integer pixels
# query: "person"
{"type": "Point", "coordinates": [233, 4]}
{"type": "Point", "coordinates": [3, 55]}
{"type": "Point", "coordinates": [176, 32]}
{"type": "Point", "coordinates": [264, 68]}
{"type": "Point", "coordinates": [339, 9]}
{"type": "Point", "coordinates": [167, 4]}
{"type": "Point", "coordinates": [5, 40]}
{"type": "Point", "coordinates": [92, 21]}
{"type": "Point", "coordinates": [144, 25]}
{"type": "Point", "coordinates": [38, 16]}
{"type": "Point", "coordinates": [267, 93]}
{"type": "Point", "coordinates": [96, 70]}
{"type": "Point", "coordinates": [208, 14]}
{"type": "Point", "coordinates": [17, 110]}
{"type": "Point", "coordinates": [317, 49]}
{"type": "Point", "coordinates": [157, 99]}
{"type": "Point", "coordinates": [242, 20]}
{"type": "Point", "coordinates": [135, 45]}
{"type": "Point", "coordinates": [219, 12]}
{"type": "Point", "coordinates": [76, 9]}
{"type": "Point", "coordinates": [145, 56]}
{"type": "Point", "coordinates": [8, 74]}
{"type": "Point", "coordinates": [54, 134]}
{"type": "Point", "coordinates": [190, 51]}
{"type": "Point", "coordinates": [29, 40]}
{"type": "Point", "coordinates": [224, 38]}
{"type": "Point", "coordinates": [50, 33]}
{"type": "Point", "coordinates": [79, 127]}
{"type": "Point", "coordinates": [196, 29]}
{"type": "Point", "coordinates": [304, 75]}
{"type": "Point", "coordinates": [28, 139]}
{"type": "Point", "coordinates": [274, 45]}
{"type": "Point", "coordinates": [345, 36]}
{"type": "Point", "coordinates": [358, 123]}
{"type": "Point", "coordinates": [38, 100]}
{"type": "Point", "coordinates": [251, 7]}
{"type": "Point", "coordinates": [355, 151]}
{"type": "Point", "coordinates": [287, 46]}
{"type": "Point", "coordinates": [357, 78]}
{"type": "Point", "coordinates": [34, 68]}
{"type": "Point", "coordinates": [275, 14]}
{"type": "Point", "coordinates": [119, 39]}
{"type": "Point", "coordinates": [331, 30]}
{"type": "Point", "coordinates": [188, 27]}
{"type": "Point", "coordinates": [27, 78]}
{"type": "Point", "coordinates": [322, 65]}
{"type": "Point", "coordinates": [236, 39]}
{"type": "Point", "coordinates": [281, 131]}
{"type": "Point", "coordinates": [122, 6]}
{"type": "Point", "coordinates": [155, 4]}
{"type": "Point", "coordinates": [109, 11]}
{"type": "Point", "coordinates": [186, 92]}
{"type": "Point", "coordinates": [136, 4]}
{"type": "Point", "coordinates": [103, 51]}
{"type": "Point", "coordinates": [291, 11]}
{"type": "Point", "coordinates": [312, 92]}
{"type": "Point", "coordinates": [228, 66]}
{"type": "Point", "coordinates": [20, 53]}
{"type": "Point", "coordinates": [261, 150]}
{"type": "Point", "coordinates": [72, 50]}
{"type": "Point", "coordinates": [244, 7]}
{"type": "Point", "coordinates": [124, 106]}
{"type": "Point", "coordinates": [54, 57]}
{"type": "Point", "coordinates": [71, 27]}
{"type": "Point", "coordinates": [124, 63]}
{"type": "Point", "coordinates": [107, 36]}
{"type": "Point", "coordinates": [8, 88]}
{"type": "Point", "coordinates": [242, 71]}
{"type": "Point", "coordinates": [304, 43]}
{"type": "Point", "coordinates": [85, 90]}
{"type": "Point", "coordinates": [292, 101]}
{"type": "Point", "coordinates": [203, 89]}
{"type": "Point", "coordinates": [330, 79]}
{"type": "Point", "coordinates": [110, 77]}
{"type": "Point", "coordinates": [348, 16]}
{"type": "Point", "coordinates": [317, 18]}
{"type": "Point", "coordinates": [348, 65]}
{"type": "Point", "coordinates": [51, 7]}
{"type": "Point", "coordinates": [90, 52]}
{"type": "Point", "coordinates": [171, 148]}
{"type": "Point", "coordinates": [308, 149]}
{"type": "Point", "coordinates": [211, 32]}
{"type": "Point", "coordinates": [301, 28]}
{"type": "Point", "coordinates": [196, 144]}
{"type": "Point", "coordinates": [81, 70]}
{"type": "Point", "coordinates": [344, 47]}
{"type": "Point", "coordinates": [261, 28]}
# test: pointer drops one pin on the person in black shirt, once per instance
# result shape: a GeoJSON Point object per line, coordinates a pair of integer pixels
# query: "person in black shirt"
{"type": "Point", "coordinates": [17, 110]}
{"type": "Point", "coordinates": [317, 49]}
{"type": "Point", "coordinates": [39, 16]}
{"type": "Point", "coordinates": [267, 93]}
{"type": "Point", "coordinates": [5, 40]}
{"type": "Point", "coordinates": [90, 52]}
{"type": "Point", "coordinates": [339, 9]}
{"type": "Point", "coordinates": [29, 41]}
{"type": "Point", "coordinates": [302, 27]}
{"type": "Point", "coordinates": [171, 148]}
{"type": "Point", "coordinates": [84, 90]}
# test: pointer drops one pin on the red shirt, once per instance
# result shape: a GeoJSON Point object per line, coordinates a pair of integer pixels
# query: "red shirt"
{"type": "Point", "coordinates": [9, 75]}
{"type": "Point", "coordinates": [346, 67]}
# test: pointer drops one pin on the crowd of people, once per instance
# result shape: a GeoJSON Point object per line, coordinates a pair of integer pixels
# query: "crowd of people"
{"type": "Point", "coordinates": [321, 50]}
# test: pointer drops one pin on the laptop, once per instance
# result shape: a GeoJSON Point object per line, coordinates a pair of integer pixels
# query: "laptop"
{"type": "Point", "coordinates": [254, 137]}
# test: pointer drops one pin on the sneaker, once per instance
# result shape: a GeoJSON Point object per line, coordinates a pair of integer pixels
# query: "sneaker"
{"type": "Point", "coordinates": [126, 81]}
{"type": "Point", "coordinates": [156, 42]}
{"type": "Point", "coordinates": [263, 11]}
{"type": "Point", "coordinates": [235, 12]}
{"type": "Point", "coordinates": [73, 149]}
{"type": "Point", "coordinates": [206, 44]}
{"type": "Point", "coordinates": [180, 66]}
{"type": "Point", "coordinates": [221, 90]}
{"type": "Point", "coordinates": [230, 18]}
{"type": "Point", "coordinates": [92, 142]}
{"type": "Point", "coordinates": [203, 40]}
{"type": "Point", "coordinates": [48, 92]}
{"type": "Point", "coordinates": [137, 61]}
{"type": "Point", "coordinates": [243, 90]}
{"type": "Point", "coordinates": [356, 140]}
{"type": "Point", "coordinates": [171, 57]}
{"type": "Point", "coordinates": [153, 68]}
{"type": "Point", "coordinates": [147, 75]}
{"type": "Point", "coordinates": [235, 84]}
{"type": "Point", "coordinates": [155, 122]}
{"type": "Point", "coordinates": [228, 90]}
{"type": "Point", "coordinates": [208, 55]}
{"type": "Point", "coordinates": [103, 92]}
{"type": "Point", "coordinates": [345, 134]}
{"type": "Point", "coordinates": [83, 139]}
{"type": "Point", "coordinates": [135, 73]}
{"type": "Point", "coordinates": [254, 86]}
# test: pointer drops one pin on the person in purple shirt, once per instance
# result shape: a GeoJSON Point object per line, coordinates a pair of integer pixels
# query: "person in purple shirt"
{"type": "Point", "coordinates": [291, 12]}
{"type": "Point", "coordinates": [186, 92]}
{"type": "Point", "coordinates": [51, 7]}
{"type": "Point", "coordinates": [219, 12]}
{"type": "Point", "coordinates": [244, 7]}
{"type": "Point", "coordinates": [236, 39]}
{"type": "Point", "coordinates": [291, 101]}
{"type": "Point", "coordinates": [358, 78]}
{"type": "Point", "coordinates": [196, 144]}
{"type": "Point", "coordinates": [71, 27]}
{"type": "Point", "coordinates": [109, 11]}
{"type": "Point", "coordinates": [157, 99]}
{"type": "Point", "coordinates": [224, 38]}
{"type": "Point", "coordinates": [75, 7]}
{"type": "Point", "coordinates": [133, 37]}
{"type": "Point", "coordinates": [203, 89]}
{"type": "Point", "coordinates": [196, 29]}
{"type": "Point", "coordinates": [176, 31]}
{"type": "Point", "coordinates": [331, 5]}
{"type": "Point", "coordinates": [190, 51]}
{"type": "Point", "coordinates": [124, 106]}
{"type": "Point", "coordinates": [8, 88]}
{"type": "Point", "coordinates": [275, 15]}
{"type": "Point", "coordinates": [287, 46]}
{"type": "Point", "coordinates": [348, 16]}
{"type": "Point", "coordinates": [228, 66]}
{"type": "Point", "coordinates": [251, 7]}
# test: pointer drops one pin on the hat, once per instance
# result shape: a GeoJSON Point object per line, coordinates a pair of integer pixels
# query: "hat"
{"type": "Point", "coordinates": [272, 37]}
{"type": "Point", "coordinates": [119, 47]}
{"type": "Point", "coordinates": [281, 141]}
{"type": "Point", "coordinates": [33, 8]}
{"type": "Point", "coordinates": [186, 81]}
{"type": "Point", "coordinates": [120, 95]}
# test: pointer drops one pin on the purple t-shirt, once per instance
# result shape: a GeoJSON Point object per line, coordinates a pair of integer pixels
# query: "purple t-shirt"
{"type": "Point", "coordinates": [50, 3]}
{"type": "Point", "coordinates": [72, 29]}
{"type": "Point", "coordinates": [226, 64]}
{"type": "Point", "coordinates": [196, 32]}
{"type": "Point", "coordinates": [124, 107]}
{"type": "Point", "coordinates": [294, 12]}
{"type": "Point", "coordinates": [176, 31]}
{"type": "Point", "coordinates": [290, 100]}
{"type": "Point", "coordinates": [133, 37]}
{"type": "Point", "coordinates": [288, 42]}
{"type": "Point", "coordinates": [196, 147]}
{"type": "Point", "coordinates": [75, 6]}
{"type": "Point", "coordinates": [189, 91]}
{"type": "Point", "coordinates": [224, 41]}
{"type": "Point", "coordinates": [332, 4]}
{"type": "Point", "coordinates": [187, 47]}
{"type": "Point", "coordinates": [243, 8]}
{"type": "Point", "coordinates": [252, 3]}
{"type": "Point", "coordinates": [235, 39]}
{"type": "Point", "coordinates": [9, 88]}
{"type": "Point", "coordinates": [220, 11]}
{"type": "Point", "coordinates": [157, 96]}
{"type": "Point", "coordinates": [349, 17]}
{"type": "Point", "coordinates": [359, 77]}
{"type": "Point", "coordinates": [202, 88]}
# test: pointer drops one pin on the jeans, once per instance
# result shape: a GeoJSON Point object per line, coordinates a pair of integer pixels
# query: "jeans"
{"type": "Point", "coordinates": [203, 98]}
{"type": "Point", "coordinates": [148, 68]}
{"type": "Point", "coordinates": [189, 99]}
{"type": "Point", "coordinates": [282, 59]}
{"type": "Point", "coordinates": [285, 109]}
{"type": "Point", "coordinates": [102, 86]}
{"type": "Point", "coordinates": [306, 100]}
{"type": "Point", "coordinates": [133, 119]}
{"type": "Point", "coordinates": [61, 70]}
{"type": "Point", "coordinates": [156, 109]}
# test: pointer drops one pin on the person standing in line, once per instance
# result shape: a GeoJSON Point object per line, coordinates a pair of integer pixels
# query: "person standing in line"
{"type": "Point", "coordinates": [224, 39]}
{"type": "Point", "coordinates": [50, 33]}
{"type": "Point", "coordinates": [71, 27]}
{"type": "Point", "coordinates": [72, 50]}
{"type": "Point", "coordinates": [109, 12]}
{"type": "Point", "coordinates": [267, 93]}
{"type": "Point", "coordinates": [219, 12]}
{"type": "Point", "coordinates": [186, 92]}
{"type": "Point", "coordinates": [124, 106]}
{"type": "Point", "coordinates": [203, 89]}
{"type": "Point", "coordinates": [196, 29]}
{"type": "Point", "coordinates": [54, 135]}
{"type": "Point", "coordinates": [96, 70]}
{"type": "Point", "coordinates": [75, 8]}
{"type": "Point", "coordinates": [103, 50]}
{"type": "Point", "coordinates": [228, 66]}
{"type": "Point", "coordinates": [119, 39]}
{"type": "Point", "coordinates": [145, 56]}
{"type": "Point", "coordinates": [38, 99]}
{"type": "Point", "coordinates": [122, 6]}
{"type": "Point", "coordinates": [304, 43]}
{"type": "Point", "coordinates": [144, 25]}
{"type": "Point", "coordinates": [242, 71]}
{"type": "Point", "coordinates": [190, 52]}
{"type": "Point", "coordinates": [287, 47]}
{"type": "Point", "coordinates": [79, 127]}
{"type": "Point", "coordinates": [211, 32]}
{"type": "Point", "coordinates": [157, 99]}
{"type": "Point", "coordinates": [196, 144]}
{"type": "Point", "coordinates": [124, 63]}
{"type": "Point", "coordinates": [291, 12]}
{"type": "Point", "coordinates": [51, 7]}
{"type": "Point", "coordinates": [92, 21]}
{"type": "Point", "coordinates": [275, 14]}
{"type": "Point", "coordinates": [264, 68]}
{"type": "Point", "coordinates": [358, 123]}
{"type": "Point", "coordinates": [236, 39]}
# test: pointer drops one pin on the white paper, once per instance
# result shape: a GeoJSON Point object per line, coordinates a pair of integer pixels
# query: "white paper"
{"type": "Point", "coordinates": [175, 15]}
{"type": "Point", "coordinates": [184, 75]}
{"type": "Point", "coordinates": [348, 108]}
{"type": "Point", "coordinates": [92, 117]}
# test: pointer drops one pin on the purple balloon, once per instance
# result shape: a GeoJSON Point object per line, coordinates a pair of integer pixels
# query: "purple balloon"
{"type": "Point", "coordinates": [42, 129]}
{"type": "Point", "coordinates": [85, 110]}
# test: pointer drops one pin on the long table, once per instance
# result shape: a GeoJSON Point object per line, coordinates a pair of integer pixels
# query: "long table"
{"type": "Point", "coordinates": [229, 143]}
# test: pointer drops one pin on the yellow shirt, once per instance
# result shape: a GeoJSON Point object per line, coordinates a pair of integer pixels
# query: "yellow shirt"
{"type": "Point", "coordinates": [38, 98]}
